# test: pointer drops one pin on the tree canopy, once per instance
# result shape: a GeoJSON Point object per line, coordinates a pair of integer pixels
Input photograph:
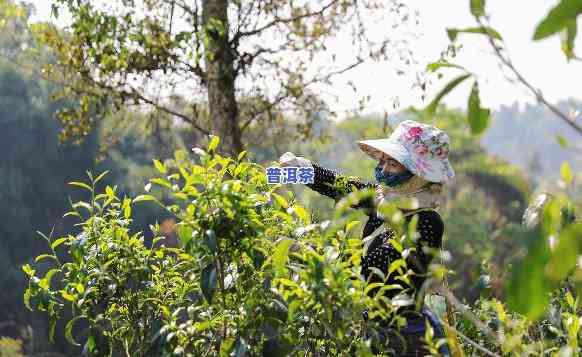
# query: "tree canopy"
{"type": "Point", "coordinates": [220, 66]}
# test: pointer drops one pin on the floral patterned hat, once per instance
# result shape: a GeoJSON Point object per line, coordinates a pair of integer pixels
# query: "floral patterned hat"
{"type": "Point", "coordinates": [423, 149]}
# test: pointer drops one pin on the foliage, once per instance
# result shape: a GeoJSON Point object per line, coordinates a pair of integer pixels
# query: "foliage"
{"type": "Point", "coordinates": [238, 283]}
{"type": "Point", "coordinates": [241, 283]}
{"type": "Point", "coordinates": [550, 265]}
{"type": "Point", "coordinates": [557, 334]}
{"type": "Point", "coordinates": [551, 240]}
{"type": "Point", "coordinates": [35, 169]}
{"type": "Point", "coordinates": [34, 173]}
{"type": "Point", "coordinates": [561, 18]}
{"type": "Point", "coordinates": [547, 262]}
{"type": "Point", "coordinates": [108, 56]}
{"type": "Point", "coordinates": [482, 209]}
{"type": "Point", "coordinates": [10, 347]}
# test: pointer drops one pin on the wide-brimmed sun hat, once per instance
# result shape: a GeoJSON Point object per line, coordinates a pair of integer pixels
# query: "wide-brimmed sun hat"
{"type": "Point", "coordinates": [422, 148]}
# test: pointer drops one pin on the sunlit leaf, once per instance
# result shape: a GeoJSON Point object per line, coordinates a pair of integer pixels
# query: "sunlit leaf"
{"type": "Point", "coordinates": [477, 8]}
{"type": "Point", "coordinates": [432, 67]}
{"type": "Point", "coordinates": [161, 182]}
{"type": "Point", "coordinates": [241, 155]}
{"type": "Point", "coordinates": [286, 217]}
{"type": "Point", "coordinates": [160, 167]}
{"type": "Point", "coordinates": [83, 204]}
{"type": "Point", "coordinates": [91, 344]}
{"type": "Point", "coordinates": [562, 140]}
{"type": "Point", "coordinates": [552, 215]}
{"type": "Point", "coordinates": [431, 108]}
{"type": "Point", "coordinates": [558, 18]}
{"type": "Point", "coordinates": [213, 143]}
{"type": "Point", "coordinates": [109, 191]}
{"type": "Point", "coordinates": [377, 272]}
{"type": "Point", "coordinates": [199, 151]}
{"type": "Point", "coordinates": [58, 242]}
{"type": "Point", "coordinates": [568, 37]}
{"type": "Point", "coordinates": [27, 297]}
{"type": "Point", "coordinates": [72, 213]}
{"type": "Point", "coordinates": [27, 269]}
{"type": "Point", "coordinates": [226, 347]}
{"type": "Point", "coordinates": [126, 206]}
{"type": "Point", "coordinates": [301, 213]}
{"type": "Point", "coordinates": [478, 117]}
{"type": "Point", "coordinates": [101, 176]}
{"type": "Point", "coordinates": [453, 32]}
{"type": "Point", "coordinates": [142, 198]}
{"type": "Point", "coordinates": [81, 184]}
{"type": "Point", "coordinates": [44, 256]}
{"type": "Point", "coordinates": [181, 195]}
{"type": "Point", "coordinates": [184, 233]}
{"type": "Point", "coordinates": [398, 264]}
{"type": "Point", "coordinates": [45, 282]}
{"type": "Point", "coordinates": [280, 256]}
{"type": "Point", "coordinates": [351, 225]}
{"type": "Point", "coordinates": [281, 201]}
{"type": "Point", "coordinates": [566, 172]}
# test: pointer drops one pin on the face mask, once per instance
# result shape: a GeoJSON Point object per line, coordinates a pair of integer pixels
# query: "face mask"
{"type": "Point", "coordinates": [391, 179]}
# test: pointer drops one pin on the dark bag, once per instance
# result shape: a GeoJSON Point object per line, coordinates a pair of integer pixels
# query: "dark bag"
{"type": "Point", "coordinates": [408, 341]}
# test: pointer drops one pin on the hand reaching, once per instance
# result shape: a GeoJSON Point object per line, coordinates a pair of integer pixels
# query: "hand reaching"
{"type": "Point", "coordinates": [289, 159]}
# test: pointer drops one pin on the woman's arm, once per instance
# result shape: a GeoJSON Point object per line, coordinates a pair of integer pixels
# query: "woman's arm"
{"type": "Point", "coordinates": [336, 185]}
{"type": "Point", "coordinates": [331, 183]}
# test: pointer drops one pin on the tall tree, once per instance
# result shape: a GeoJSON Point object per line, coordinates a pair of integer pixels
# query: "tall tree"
{"type": "Point", "coordinates": [214, 53]}
{"type": "Point", "coordinates": [34, 171]}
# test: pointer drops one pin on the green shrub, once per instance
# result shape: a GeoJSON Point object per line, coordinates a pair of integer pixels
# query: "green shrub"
{"type": "Point", "coordinates": [252, 274]}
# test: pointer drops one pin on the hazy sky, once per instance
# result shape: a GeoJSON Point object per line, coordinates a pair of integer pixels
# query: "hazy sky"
{"type": "Point", "coordinates": [541, 62]}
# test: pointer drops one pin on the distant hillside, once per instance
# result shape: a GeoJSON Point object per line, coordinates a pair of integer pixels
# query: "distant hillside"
{"type": "Point", "coordinates": [527, 137]}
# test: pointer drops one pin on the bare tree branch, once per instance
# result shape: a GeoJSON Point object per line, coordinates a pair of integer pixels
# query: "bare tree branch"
{"type": "Point", "coordinates": [247, 59]}
{"type": "Point", "coordinates": [169, 111]}
{"type": "Point", "coordinates": [536, 92]}
{"type": "Point", "coordinates": [136, 94]}
{"type": "Point", "coordinates": [278, 20]}
{"type": "Point", "coordinates": [258, 112]}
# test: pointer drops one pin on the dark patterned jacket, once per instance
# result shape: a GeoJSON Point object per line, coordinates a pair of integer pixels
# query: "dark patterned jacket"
{"type": "Point", "coordinates": [381, 252]}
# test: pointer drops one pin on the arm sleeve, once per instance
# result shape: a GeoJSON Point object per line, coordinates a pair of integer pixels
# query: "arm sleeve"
{"type": "Point", "coordinates": [336, 185]}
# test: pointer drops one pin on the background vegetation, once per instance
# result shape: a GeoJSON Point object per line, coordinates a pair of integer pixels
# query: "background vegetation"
{"type": "Point", "coordinates": [117, 276]}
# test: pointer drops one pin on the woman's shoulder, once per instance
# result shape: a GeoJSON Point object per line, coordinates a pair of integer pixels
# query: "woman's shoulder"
{"type": "Point", "coordinates": [427, 218]}
{"type": "Point", "coordinates": [430, 214]}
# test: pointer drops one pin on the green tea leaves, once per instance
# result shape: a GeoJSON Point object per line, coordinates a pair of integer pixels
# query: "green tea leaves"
{"type": "Point", "coordinates": [478, 117]}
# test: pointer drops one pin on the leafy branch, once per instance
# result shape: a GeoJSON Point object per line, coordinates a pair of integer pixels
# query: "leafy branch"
{"type": "Point", "coordinates": [506, 60]}
{"type": "Point", "coordinates": [561, 18]}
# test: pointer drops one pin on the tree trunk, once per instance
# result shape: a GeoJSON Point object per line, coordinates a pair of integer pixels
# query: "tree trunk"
{"type": "Point", "coordinates": [223, 108]}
